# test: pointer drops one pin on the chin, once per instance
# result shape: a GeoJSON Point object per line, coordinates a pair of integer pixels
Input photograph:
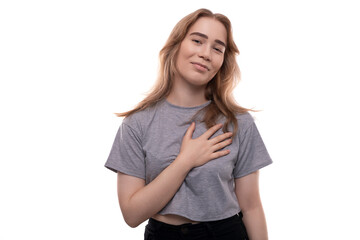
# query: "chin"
{"type": "Point", "coordinates": [200, 83]}
{"type": "Point", "coordinates": [196, 80]}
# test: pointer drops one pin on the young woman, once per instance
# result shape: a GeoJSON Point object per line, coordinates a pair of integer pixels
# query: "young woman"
{"type": "Point", "coordinates": [187, 157]}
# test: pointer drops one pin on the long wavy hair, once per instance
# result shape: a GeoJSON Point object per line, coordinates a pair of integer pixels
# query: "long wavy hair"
{"type": "Point", "coordinates": [218, 90]}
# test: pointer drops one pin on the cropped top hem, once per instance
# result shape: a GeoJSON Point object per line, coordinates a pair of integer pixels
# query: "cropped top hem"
{"type": "Point", "coordinates": [202, 219]}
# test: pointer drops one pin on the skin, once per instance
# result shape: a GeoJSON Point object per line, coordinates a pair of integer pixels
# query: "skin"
{"type": "Point", "coordinates": [247, 192]}
{"type": "Point", "coordinates": [190, 82]}
{"type": "Point", "coordinates": [198, 61]}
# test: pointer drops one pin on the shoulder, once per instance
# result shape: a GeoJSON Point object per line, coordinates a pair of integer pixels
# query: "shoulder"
{"type": "Point", "coordinates": [139, 120]}
{"type": "Point", "coordinates": [244, 120]}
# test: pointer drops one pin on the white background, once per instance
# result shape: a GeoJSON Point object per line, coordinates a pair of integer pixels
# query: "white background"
{"type": "Point", "coordinates": [67, 66]}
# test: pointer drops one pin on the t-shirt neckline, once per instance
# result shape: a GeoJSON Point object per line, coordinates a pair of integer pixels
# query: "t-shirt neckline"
{"type": "Point", "coordinates": [187, 108]}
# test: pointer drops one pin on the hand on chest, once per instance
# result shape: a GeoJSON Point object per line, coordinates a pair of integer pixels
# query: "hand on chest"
{"type": "Point", "coordinates": [163, 146]}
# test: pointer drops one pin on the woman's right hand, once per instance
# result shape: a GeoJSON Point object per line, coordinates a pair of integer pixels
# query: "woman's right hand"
{"type": "Point", "coordinates": [132, 191]}
{"type": "Point", "coordinates": [198, 151]}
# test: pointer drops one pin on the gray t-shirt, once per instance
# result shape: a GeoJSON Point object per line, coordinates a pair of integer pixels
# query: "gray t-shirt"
{"type": "Point", "coordinates": [150, 140]}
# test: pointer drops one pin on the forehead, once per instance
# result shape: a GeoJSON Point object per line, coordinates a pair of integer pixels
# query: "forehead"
{"type": "Point", "coordinates": [210, 27]}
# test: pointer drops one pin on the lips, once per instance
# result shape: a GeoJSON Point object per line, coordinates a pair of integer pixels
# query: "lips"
{"type": "Point", "coordinates": [201, 65]}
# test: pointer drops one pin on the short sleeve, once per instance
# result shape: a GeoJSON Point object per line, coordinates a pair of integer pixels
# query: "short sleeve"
{"type": "Point", "coordinates": [253, 154]}
{"type": "Point", "coordinates": [126, 154]}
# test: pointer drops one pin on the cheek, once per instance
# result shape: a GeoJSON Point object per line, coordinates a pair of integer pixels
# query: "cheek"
{"type": "Point", "coordinates": [218, 63]}
{"type": "Point", "coordinates": [187, 49]}
{"type": "Point", "coordinates": [181, 56]}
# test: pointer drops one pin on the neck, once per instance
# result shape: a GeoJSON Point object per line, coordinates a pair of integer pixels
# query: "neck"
{"type": "Point", "coordinates": [186, 95]}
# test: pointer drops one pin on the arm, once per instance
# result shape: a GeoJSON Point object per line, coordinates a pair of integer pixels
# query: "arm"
{"type": "Point", "coordinates": [247, 192]}
{"type": "Point", "coordinates": [139, 202]}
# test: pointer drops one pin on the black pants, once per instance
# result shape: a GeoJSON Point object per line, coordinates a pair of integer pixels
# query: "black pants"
{"type": "Point", "coordinates": [231, 228]}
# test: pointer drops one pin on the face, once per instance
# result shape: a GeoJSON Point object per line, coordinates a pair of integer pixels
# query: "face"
{"type": "Point", "coordinates": [201, 53]}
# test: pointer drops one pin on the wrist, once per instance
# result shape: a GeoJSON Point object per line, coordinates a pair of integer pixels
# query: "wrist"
{"type": "Point", "coordinates": [183, 163]}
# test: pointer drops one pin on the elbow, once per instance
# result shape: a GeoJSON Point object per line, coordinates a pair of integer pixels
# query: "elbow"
{"type": "Point", "coordinates": [131, 220]}
{"type": "Point", "coordinates": [251, 207]}
{"type": "Point", "coordinates": [132, 215]}
{"type": "Point", "coordinates": [250, 204]}
{"type": "Point", "coordinates": [132, 224]}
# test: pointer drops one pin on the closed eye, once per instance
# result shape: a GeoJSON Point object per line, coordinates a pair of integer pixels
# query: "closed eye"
{"type": "Point", "coordinates": [218, 50]}
{"type": "Point", "coordinates": [196, 41]}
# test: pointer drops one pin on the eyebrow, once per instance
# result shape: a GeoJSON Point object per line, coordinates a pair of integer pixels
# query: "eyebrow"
{"type": "Point", "coordinates": [206, 37]}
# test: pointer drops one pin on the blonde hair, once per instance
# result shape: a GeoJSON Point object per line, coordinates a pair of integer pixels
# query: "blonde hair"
{"type": "Point", "coordinates": [219, 89]}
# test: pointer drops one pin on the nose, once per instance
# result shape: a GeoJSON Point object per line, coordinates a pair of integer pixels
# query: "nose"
{"type": "Point", "coordinates": [205, 53]}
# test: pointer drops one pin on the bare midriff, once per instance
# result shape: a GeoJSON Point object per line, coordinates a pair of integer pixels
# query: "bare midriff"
{"type": "Point", "coordinates": [173, 219]}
